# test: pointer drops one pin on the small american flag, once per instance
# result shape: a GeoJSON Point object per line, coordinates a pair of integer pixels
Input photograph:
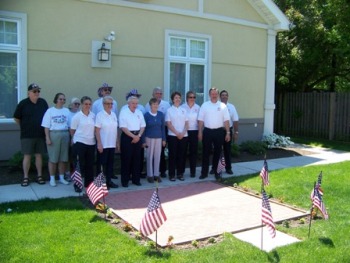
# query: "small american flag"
{"type": "Point", "coordinates": [154, 216]}
{"type": "Point", "coordinates": [267, 215]}
{"type": "Point", "coordinates": [318, 202]}
{"type": "Point", "coordinates": [221, 164]}
{"type": "Point", "coordinates": [264, 173]}
{"type": "Point", "coordinates": [318, 186]}
{"type": "Point", "coordinates": [76, 176]}
{"type": "Point", "coordinates": [97, 189]}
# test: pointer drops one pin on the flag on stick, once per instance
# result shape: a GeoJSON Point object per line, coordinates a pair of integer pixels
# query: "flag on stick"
{"type": "Point", "coordinates": [154, 216]}
{"type": "Point", "coordinates": [97, 189]}
{"type": "Point", "coordinates": [318, 202]}
{"type": "Point", "coordinates": [267, 215]}
{"type": "Point", "coordinates": [318, 186]}
{"type": "Point", "coordinates": [264, 173]}
{"type": "Point", "coordinates": [76, 176]}
{"type": "Point", "coordinates": [221, 164]}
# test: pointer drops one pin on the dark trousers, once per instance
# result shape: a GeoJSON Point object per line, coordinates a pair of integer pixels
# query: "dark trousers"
{"type": "Point", "coordinates": [107, 162]}
{"type": "Point", "coordinates": [212, 138]}
{"type": "Point", "coordinates": [177, 151]}
{"type": "Point", "coordinates": [130, 154]}
{"type": "Point", "coordinates": [192, 149]}
{"type": "Point", "coordinates": [227, 152]}
{"type": "Point", "coordinates": [86, 154]}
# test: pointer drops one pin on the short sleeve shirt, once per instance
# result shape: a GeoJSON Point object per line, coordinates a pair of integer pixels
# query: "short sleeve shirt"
{"type": "Point", "coordinates": [56, 119]}
{"type": "Point", "coordinates": [108, 124]}
{"type": "Point", "coordinates": [213, 115]}
{"type": "Point", "coordinates": [178, 118]}
{"type": "Point", "coordinates": [84, 126]}
{"type": "Point", "coordinates": [97, 106]}
{"type": "Point", "coordinates": [133, 121]}
{"type": "Point", "coordinates": [233, 113]}
{"type": "Point", "coordinates": [192, 115]}
{"type": "Point", "coordinates": [31, 115]}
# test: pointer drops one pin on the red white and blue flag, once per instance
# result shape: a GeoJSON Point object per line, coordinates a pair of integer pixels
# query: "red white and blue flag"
{"type": "Point", "coordinates": [318, 186]}
{"type": "Point", "coordinates": [264, 173]}
{"type": "Point", "coordinates": [318, 202]}
{"type": "Point", "coordinates": [97, 189]}
{"type": "Point", "coordinates": [76, 177]}
{"type": "Point", "coordinates": [221, 164]}
{"type": "Point", "coordinates": [267, 215]}
{"type": "Point", "coordinates": [154, 216]}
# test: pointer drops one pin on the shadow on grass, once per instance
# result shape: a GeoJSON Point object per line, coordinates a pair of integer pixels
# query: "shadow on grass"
{"type": "Point", "coordinates": [46, 204]}
{"type": "Point", "coordinates": [157, 254]}
{"type": "Point", "coordinates": [326, 241]}
{"type": "Point", "coordinates": [238, 179]}
{"type": "Point", "coordinates": [274, 257]}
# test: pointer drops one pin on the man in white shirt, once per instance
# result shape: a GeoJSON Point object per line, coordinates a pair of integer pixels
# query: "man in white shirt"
{"type": "Point", "coordinates": [213, 130]}
{"type": "Point", "coordinates": [163, 107]}
{"type": "Point", "coordinates": [104, 90]}
{"type": "Point", "coordinates": [234, 118]}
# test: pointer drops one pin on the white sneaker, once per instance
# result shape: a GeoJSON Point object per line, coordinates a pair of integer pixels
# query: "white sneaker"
{"type": "Point", "coordinates": [62, 181]}
{"type": "Point", "coordinates": [52, 182]}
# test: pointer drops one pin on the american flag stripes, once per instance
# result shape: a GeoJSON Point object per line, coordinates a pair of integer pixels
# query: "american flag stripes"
{"type": "Point", "coordinates": [97, 189]}
{"type": "Point", "coordinates": [221, 164]}
{"type": "Point", "coordinates": [76, 177]}
{"type": "Point", "coordinates": [267, 215]}
{"type": "Point", "coordinates": [318, 202]}
{"type": "Point", "coordinates": [154, 216]}
{"type": "Point", "coordinates": [264, 173]}
{"type": "Point", "coordinates": [318, 186]}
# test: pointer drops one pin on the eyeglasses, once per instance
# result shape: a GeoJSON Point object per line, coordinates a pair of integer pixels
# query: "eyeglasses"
{"type": "Point", "coordinates": [191, 97]}
{"type": "Point", "coordinates": [107, 89]}
{"type": "Point", "coordinates": [108, 103]}
{"type": "Point", "coordinates": [76, 103]}
{"type": "Point", "coordinates": [36, 91]}
{"type": "Point", "coordinates": [62, 99]}
{"type": "Point", "coordinates": [87, 104]}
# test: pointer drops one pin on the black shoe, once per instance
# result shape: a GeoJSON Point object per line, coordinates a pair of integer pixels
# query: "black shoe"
{"type": "Point", "coordinates": [143, 175]}
{"type": "Point", "coordinates": [229, 171]}
{"type": "Point", "coordinates": [181, 178]}
{"type": "Point", "coordinates": [150, 179]}
{"type": "Point", "coordinates": [172, 178]}
{"type": "Point", "coordinates": [125, 185]}
{"type": "Point", "coordinates": [138, 183]}
{"type": "Point", "coordinates": [218, 177]}
{"type": "Point", "coordinates": [112, 185]}
{"type": "Point", "coordinates": [114, 177]}
{"type": "Point", "coordinates": [77, 189]}
{"type": "Point", "coordinates": [193, 175]}
{"type": "Point", "coordinates": [163, 175]}
{"type": "Point", "coordinates": [203, 176]}
{"type": "Point", "coordinates": [212, 171]}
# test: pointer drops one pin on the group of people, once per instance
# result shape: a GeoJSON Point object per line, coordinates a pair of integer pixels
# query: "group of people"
{"type": "Point", "coordinates": [88, 133]}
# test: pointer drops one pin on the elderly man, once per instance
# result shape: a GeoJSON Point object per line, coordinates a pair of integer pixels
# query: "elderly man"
{"type": "Point", "coordinates": [163, 107]}
{"type": "Point", "coordinates": [132, 124]}
{"type": "Point", "coordinates": [28, 115]}
{"type": "Point", "coordinates": [213, 129]}
{"type": "Point", "coordinates": [104, 90]}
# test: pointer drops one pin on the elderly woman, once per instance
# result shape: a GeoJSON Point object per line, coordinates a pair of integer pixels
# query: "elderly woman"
{"type": "Point", "coordinates": [82, 130]}
{"type": "Point", "coordinates": [177, 123]}
{"type": "Point", "coordinates": [155, 139]}
{"type": "Point", "coordinates": [192, 110]}
{"type": "Point", "coordinates": [55, 123]}
{"type": "Point", "coordinates": [106, 129]}
{"type": "Point", "coordinates": [132, 124]}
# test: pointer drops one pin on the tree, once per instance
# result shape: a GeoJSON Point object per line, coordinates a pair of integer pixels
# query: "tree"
{"type": "Point", "coordinates": [315, 53]}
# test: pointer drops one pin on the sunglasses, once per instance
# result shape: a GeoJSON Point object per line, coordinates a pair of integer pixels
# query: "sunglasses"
{"type": "Point", "coordinates": [107, 89]}
{"type": "Point", "coordinates": [76, 103]}
{"type": "Point", "coordinates": [36, 91]}
{"type": "Point", "coordinates": [108, 103]}
{"type": "Point", "coordinates": [192, 97]}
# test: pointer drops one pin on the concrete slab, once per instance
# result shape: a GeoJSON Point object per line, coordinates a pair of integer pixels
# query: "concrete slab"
{"type": "Point", "coordinates": [262, 239]}
{"type": "Point", "coordinates": [197, 211]}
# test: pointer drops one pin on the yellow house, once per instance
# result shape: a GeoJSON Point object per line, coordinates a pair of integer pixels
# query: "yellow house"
{"type": "Point", "coordinates": [175, 44]}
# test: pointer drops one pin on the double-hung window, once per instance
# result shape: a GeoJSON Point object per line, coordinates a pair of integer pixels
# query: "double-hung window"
{"type": "Point", "coordinates": [187, 64]}
{"type": "Point", "coordinates": [12, 60]}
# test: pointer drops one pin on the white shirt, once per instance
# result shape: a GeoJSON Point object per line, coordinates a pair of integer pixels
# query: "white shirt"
{"type": "Point", "coordinates": [108, 124]}
{"type": "Point", "coordinates": [233, 113]}
{"type": "Point", "coordinates": [163, 106]}
{"type": "Point", "coordinates": [56, 119]}
{"type": "Point", "coordinates": [70, 116]}
{"type": "Point", "coordinates": [213, 114]}
{"type": "Point", "coordinates": [192, 115]}
{"type": "Point", "coordinates": [84, 127]}
{"type": "Point", "coordinates": [177, 116]}
{"type": "Point", "coordinates": [133, 121]}
{"type": "Point", "coordinates": [97, 106]}
{"type": "Point", "coordinates": [139, 106]}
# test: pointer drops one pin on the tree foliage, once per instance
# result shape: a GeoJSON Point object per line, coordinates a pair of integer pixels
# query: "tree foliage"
{"type": "Point", "coordinates": [315, 53]}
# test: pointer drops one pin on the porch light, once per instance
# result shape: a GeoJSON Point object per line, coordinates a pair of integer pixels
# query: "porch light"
{"type": "Point", "coordinates": [103, 53]}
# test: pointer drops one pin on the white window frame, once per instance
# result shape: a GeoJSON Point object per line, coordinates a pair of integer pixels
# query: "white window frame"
{"type": "Point", "coordinates": [206, 62]}
{"type": "Point", "coordinates": [21, 50]}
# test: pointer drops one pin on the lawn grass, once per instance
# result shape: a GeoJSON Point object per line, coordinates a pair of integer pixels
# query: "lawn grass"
{"type": "Point", "coordinates": [64, 230]}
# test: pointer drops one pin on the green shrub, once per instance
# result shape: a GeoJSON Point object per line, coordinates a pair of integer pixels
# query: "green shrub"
{"type": "Point", "coordinates": [254, 147]}
{"type": "Point", "coordinates": [15, 162]}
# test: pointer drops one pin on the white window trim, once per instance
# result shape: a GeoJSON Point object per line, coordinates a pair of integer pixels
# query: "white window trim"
{"type": "Point", "coordinates": [208, 65]}
{"type": "Point", "coordinates": [21, 48]}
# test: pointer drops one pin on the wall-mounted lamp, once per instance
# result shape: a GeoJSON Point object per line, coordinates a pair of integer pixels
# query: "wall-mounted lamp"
{"type": "Point", "coordinates": [103, 53]}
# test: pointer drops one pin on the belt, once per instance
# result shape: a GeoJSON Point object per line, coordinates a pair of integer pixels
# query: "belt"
{"type": "Point", "coordinates": [135, 132]}
{"type": "Point", "coordinates": [58, 130]}
{"type": "Point", "coordinates": [215, 129]}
